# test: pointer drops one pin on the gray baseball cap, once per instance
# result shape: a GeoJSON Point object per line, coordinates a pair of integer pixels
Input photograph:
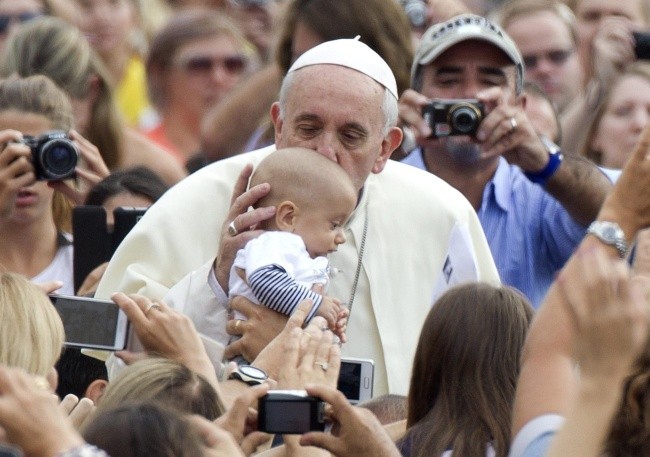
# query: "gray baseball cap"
{"type": "Point", "coordinates": [440, 37]}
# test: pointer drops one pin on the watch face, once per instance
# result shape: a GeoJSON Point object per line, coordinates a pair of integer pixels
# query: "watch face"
{"type": "Point", "coordinates": [253, 372]}
{"type": "Point", "coordinates": [609, 233]}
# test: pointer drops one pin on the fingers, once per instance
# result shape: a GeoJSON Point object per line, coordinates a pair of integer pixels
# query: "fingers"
{"type": "Point", "coordinates": [92, 280]}
{"type": "Point", "coordinates": [410, 113]}
{"type": "Point", "coordinates": [81, 412]}
{"type": "Point", "coordinates": [68, 403]}
{"type": "Point", "coordinates": [297, 319]}
{"type": "Point", "coordinates": [234, 349]}
{"type": "Point", "coordinates": [129, 357]}
{"type": "Point", "coordinates": [50, 286]}
{"type": "Point", "coordinates": [242, 183]}
{"type": "Point", "coordinates": [238, 414]}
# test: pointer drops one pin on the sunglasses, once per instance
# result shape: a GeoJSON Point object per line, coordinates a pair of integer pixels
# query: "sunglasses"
{"type": "Point", "coordinates": [235, 64]}
{"type": "Point", "coordinates": [7, 19]}
{"type": "Point", "coordinates": [557, 58]}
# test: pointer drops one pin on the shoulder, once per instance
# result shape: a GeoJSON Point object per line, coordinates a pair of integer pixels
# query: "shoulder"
{"type": "Point", "coordinates": [409, 184]}
{"type": "Point", "coordinates": [143, 151]}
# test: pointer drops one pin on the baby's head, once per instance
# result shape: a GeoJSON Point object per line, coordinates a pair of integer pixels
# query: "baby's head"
{"type": "Point", "coordinates": [313, 197]}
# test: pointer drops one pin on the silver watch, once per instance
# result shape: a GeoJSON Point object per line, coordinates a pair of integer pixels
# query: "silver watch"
{"type": "Point", "coordinates": [611, 234]}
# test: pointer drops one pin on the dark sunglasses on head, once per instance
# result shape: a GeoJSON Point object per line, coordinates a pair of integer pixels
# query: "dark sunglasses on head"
{"type": "Point", "coordinates": [557, 58]}
{"type": "Point", "coordinates": [204, 64]}
{"type": "Point", "coordinates": [5, 19]}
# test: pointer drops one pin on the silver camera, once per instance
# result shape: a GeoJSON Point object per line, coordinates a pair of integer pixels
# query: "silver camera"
{"type": "Point", "coordinates": [453, 116]}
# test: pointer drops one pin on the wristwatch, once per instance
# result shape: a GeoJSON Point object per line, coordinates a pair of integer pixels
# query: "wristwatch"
{"type": "Point", "coordinates": [554, 160]}
{"type": "Point", "coordinates": [249, 374]}
{"type": "Point", "coordinates": [611, 234]}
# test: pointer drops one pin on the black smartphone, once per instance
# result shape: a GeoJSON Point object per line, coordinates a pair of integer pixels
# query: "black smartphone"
{"type": "Point", "coordinates": [94, 242]}
{"type": "Point", "coordinates": [356, 379]}
{"type": "Point", "coordinates": [92, 323]}
{"type": "Point", "coordinates": [642, 45]}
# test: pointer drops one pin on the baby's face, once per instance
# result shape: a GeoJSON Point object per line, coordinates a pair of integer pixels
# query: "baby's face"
{"type": "Point", "coordinates": [322, 227]}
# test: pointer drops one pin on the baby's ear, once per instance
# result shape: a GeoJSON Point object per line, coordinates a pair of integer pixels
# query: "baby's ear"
{"type": "Point", "coordinates": [285, 216]}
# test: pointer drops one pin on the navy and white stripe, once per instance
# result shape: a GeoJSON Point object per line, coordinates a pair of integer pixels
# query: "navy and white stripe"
{"type": "Point", "coordinates": [277, 290]}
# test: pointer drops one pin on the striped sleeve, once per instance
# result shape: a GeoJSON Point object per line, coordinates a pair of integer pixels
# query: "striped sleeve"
{"type": "Point", "coordinates": [274, 288]}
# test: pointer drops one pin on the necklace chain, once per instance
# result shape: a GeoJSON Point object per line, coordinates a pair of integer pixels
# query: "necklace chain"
{"type": "Point", "coordinates": [358, 272]}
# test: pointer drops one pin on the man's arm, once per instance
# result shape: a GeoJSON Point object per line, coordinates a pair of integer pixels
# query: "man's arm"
{"type": "Point", "coordinates": [580, 187]}
{"type": "Point", "coordinates": [576, 183]}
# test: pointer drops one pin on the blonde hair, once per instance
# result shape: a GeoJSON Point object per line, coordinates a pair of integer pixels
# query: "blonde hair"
{"type": "Point", "coordinates": [51, 47]}
{"type": "Point", "coordinates": [165, 381]}
{"type": "Point", "coordinates": [31, 331]}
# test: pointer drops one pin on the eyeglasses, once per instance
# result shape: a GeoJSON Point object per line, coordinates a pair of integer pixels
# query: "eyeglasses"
{"type": "Point", "coordinates": [557, 58]}
{"type": "Point", "coordinates": [235, 64]}
{"type": "Point", "coordinates": [6, 19]}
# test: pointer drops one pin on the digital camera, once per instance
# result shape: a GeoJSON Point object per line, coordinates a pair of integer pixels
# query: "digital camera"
{"type": "Point", "coordinates": [54, 155]}
{"type": "Point", "coordinates": [453, 116]}
{"type": "Point", "coordinates": [290, 412]}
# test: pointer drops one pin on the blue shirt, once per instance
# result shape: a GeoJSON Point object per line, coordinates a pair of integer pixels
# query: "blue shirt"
{"type": "Point", "coordinates": [530, 234]}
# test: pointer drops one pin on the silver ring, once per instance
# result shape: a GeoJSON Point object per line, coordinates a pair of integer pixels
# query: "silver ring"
{"type": "Point", "coordinates": [232, 230]}
{"type": "Point", "coordinates": [513, 124]}
{"type": "Point", "coordinates": [323, 365]}
{"type": "Point", "coordinates": [151, 306]}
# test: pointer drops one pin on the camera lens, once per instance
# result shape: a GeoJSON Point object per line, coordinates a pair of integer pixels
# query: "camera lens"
{"type": "Point", "coordinates": [464, 119]}
{"type": "Point", "coordinates": [58, 159]}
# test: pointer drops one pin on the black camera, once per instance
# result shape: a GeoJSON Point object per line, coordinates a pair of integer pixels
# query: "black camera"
{"type": "Point", "coordinates": [54, 155]}
{"type": "Point", "coordinates": [642, 45]}
{"type": "Point", "coordinates": [290, 412]}
{"type": "Point", "coordinates": [453, 117]}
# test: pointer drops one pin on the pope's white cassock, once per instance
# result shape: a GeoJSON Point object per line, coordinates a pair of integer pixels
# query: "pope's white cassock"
{"type": "Point", "coordinates": [409, 217]}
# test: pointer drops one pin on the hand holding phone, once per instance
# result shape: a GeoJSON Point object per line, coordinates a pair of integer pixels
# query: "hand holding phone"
{"type": "Point", "coordinates": [356, 379]}
{"type": "Point", "coordinates": [92, 323]}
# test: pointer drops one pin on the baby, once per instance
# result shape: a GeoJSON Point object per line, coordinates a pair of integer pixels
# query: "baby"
{"type": "Point", "coordinates": [313, 198]}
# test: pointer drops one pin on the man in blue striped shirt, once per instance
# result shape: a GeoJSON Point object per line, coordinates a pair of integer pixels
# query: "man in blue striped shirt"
{"type": "Point", "coordinates": [534, 202]}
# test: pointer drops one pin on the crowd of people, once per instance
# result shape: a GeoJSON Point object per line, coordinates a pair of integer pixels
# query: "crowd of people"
{"type": "Point", "coordinates": [454, 190]}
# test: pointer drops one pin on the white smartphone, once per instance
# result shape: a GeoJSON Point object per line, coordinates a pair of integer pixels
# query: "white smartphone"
{"type": "Point", "coordinates": [356, 379]}
{"type": "Point", "coordinates": [92, 323]}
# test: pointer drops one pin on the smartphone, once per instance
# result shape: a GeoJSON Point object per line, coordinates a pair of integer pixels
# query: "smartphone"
{"type": "Point", "coordinates": [92, 323]}
{"type": "Point", "coordinates": [94, 241]}
{"type": "Point", "coordinates": [642, 45]}
{"type": "Point", "coordinates": [356, 379]}
{"type": "Point", "coordinates": [290, 412]}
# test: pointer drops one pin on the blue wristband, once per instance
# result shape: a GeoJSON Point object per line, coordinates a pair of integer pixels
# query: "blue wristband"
{"type": "Point", "coordinates": [554, 160]}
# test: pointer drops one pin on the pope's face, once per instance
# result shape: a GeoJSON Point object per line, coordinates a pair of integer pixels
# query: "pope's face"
{"type": "Point", "coordinates": [337, 112]}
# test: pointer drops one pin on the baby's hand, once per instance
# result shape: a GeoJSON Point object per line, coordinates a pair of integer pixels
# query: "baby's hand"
{"type": "Point", "coordinates": [342, 324]}
{"type": "Point", "coordinates": [329, 309]}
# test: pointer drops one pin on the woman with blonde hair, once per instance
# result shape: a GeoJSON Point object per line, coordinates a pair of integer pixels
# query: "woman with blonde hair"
{"type": "Point", "coordinates": [49, 46]}
{"type": "Point", "coordinates": [31, 331]}
{"type": "Point", "coordinates": [165, 381]}
{"type": "Point", "coordinates": [34, 239]}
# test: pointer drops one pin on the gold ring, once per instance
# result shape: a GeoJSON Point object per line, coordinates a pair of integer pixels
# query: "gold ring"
{"type": "Point", "coordinates": [323, 365]}
{"type": "Point", "coordinates": [232, 230]}
{"type": "Point", "coordinates": [513, 124]}
{"type": "Point", "coordinates": [237, 323]}
{"type": "Point", "coordinates": [151, 306]}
